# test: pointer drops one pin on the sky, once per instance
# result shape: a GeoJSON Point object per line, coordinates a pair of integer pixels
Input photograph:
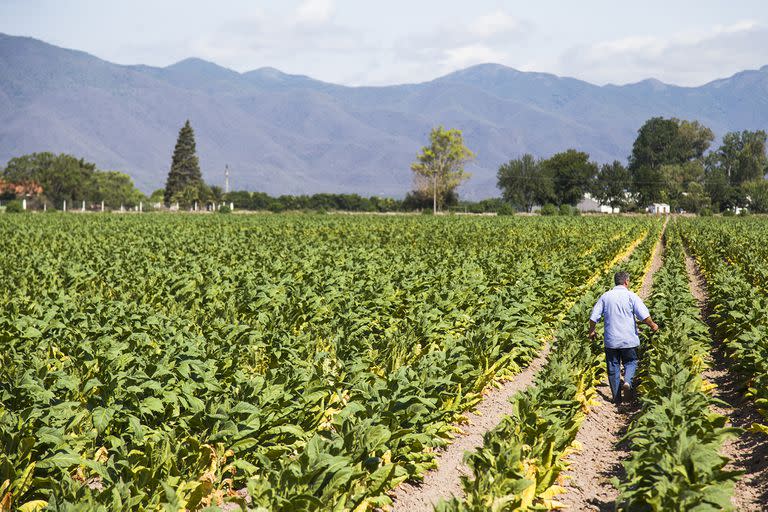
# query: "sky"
{"type": "Point", "coordinates": [363, 42]}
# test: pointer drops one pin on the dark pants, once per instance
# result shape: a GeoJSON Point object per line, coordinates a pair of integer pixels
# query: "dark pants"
{"type": "Point", "coordinates": [614, 358]}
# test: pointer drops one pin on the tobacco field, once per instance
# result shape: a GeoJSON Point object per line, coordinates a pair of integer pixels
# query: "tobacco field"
{"type": "Point", "coordinates": [315, 362]}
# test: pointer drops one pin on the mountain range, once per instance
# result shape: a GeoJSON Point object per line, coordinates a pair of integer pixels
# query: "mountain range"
{"type": "Point", "coordinates": [291, 134]}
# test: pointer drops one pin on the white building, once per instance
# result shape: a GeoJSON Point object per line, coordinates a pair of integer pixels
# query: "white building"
{"type": "Point", "coordinates": [590, 204]}
{"type": "Point", "coordinates": [659, 209]}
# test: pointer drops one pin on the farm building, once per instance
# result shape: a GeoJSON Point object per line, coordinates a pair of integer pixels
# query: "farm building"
{"type": "Point", "coordinates": [590, 204]}
{"type": "Point", "coordinates": [659, 209]}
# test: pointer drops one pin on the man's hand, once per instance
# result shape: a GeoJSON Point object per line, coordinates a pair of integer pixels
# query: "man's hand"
{"type": "Point", "coordinates": [591, 334]}
{"type": "Point", "coordinates": [650, 323]}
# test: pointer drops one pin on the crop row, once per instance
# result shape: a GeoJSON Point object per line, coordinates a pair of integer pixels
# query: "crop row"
{"type": "Point", "coordinates": [675, 439]}
{"type": "Point", "coordinates": [739, 300]}
{"type": "Point", "coordinates": [290, 363]}
{"type": "Point", "coordinates": [518, 466]}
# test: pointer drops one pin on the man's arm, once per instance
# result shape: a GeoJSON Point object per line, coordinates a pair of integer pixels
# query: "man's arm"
{"type": "Point", "coordinates": [650, 323]}
{"type": "Point", "coordinates": [641, 311]}
{"type": "Point", "coordinates": [597, 313]}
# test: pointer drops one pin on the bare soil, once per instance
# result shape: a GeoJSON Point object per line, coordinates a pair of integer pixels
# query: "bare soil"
{"type": "Point", "coordinates": [587, 481]}
{"type": "Point", "coordinates": [749, 451]}
{"type": "Point", "coordinates": [445, 481]}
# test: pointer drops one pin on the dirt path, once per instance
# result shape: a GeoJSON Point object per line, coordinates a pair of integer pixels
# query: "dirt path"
{"type": "Point", "coordinates": [749, 451]}
{"type": "Point", "coordinates": [587, 480]}
{"type": "Point", "coordinates": [445, 481]}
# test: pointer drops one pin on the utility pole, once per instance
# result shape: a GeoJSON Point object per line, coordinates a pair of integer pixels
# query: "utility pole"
{"type": "Point", "coordinates": [226, 179]}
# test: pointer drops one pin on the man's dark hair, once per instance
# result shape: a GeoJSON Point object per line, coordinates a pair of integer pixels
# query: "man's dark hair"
{"type": "Point", "coordinates": [620, 277]}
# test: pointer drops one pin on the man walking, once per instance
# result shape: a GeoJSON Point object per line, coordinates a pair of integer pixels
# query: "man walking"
{"type": "Point", "coordinates": [620, 306]}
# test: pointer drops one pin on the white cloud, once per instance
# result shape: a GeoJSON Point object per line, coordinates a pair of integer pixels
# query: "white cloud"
{"type": "Point", "coordinates": [473, 54]}
{"type": "Point", "coordinates": [686, 58]}
{"type": "Point", "coordinates": [495, 23]}
{"type": "Point", "coordinates": [315, 11]}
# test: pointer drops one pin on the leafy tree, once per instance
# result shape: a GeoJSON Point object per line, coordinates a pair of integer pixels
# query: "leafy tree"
{"type": "Point", "coordinates": [116, 188]}
{"type": "Point", "coordinates": [184, 175]}
{"type": "Point", "coordinates": [742, 156]}
{"type": "Point", "coordinates": [757, 193]}
{"type": "Point", "coordinates": [611, 185]}
{"type": "Point", "coordinates": [62, 177]}
{"type": "Point", "coordinates": [572, 174]}
{"type": "Point", "coordinates": [422, 199]}
{"type": "Point", "coordinates": [662, 142]}
{"type": "Point", "coordinates": [695, 198]}
{"type": "Point", "coordinates": [524, 182]}
{"type": "Point", "coordinates": [677, 179]}
{"type": "Point", "coordinates": [694, 139]}
{"type": "Point", "coordinates": [158, 196]}
{"type": "Point", "coordinates": [440, 166]}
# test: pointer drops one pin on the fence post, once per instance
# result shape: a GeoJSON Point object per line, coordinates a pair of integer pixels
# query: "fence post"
{"type": "Point", "coordinates": [83, 208]}
{"type": "Point", "coordinates": [65, 205]}
{"type": "Point", "coordinates": [23, 204]}
{"type": "Point", "coordinates": [141, 206]}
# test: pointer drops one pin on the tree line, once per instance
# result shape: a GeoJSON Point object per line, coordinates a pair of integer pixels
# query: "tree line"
{"type": "Point", "coordinates": [64, 177]}
{"type": "Point", "coordinates": [671, 162]}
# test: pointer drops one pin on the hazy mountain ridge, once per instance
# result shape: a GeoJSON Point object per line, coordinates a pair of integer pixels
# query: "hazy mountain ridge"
{"type": "Point", "coordinates": [284, 133]}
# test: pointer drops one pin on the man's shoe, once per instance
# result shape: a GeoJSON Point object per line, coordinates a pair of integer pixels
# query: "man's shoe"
{"type": "Point", "coordinates": [626, 391]}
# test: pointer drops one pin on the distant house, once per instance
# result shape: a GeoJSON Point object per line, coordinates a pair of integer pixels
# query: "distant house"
{"type": "Point", "coordinates": [659, 209]}
{"type": "Point", "coordinates": [28, 189]}
{"type": "Point", "coordinates": [590, 204]}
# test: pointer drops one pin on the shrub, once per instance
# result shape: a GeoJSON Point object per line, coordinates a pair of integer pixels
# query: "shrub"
{"type": "Point", "coordinates": [14, 207]}
{"type": "Point", "coordinates": [549, 209]}
{"type": "Point", "coordinates": [728, 213]}
{"type": "Point", "coordinates": [566, 210]}
{"type": "Point", "coordinates": [224, 209]}
{"type": "Point", "coordinates": [705, 212]}
{"type": "Point", "coordinates": [505, 209]}
{"type": "Point", "coordinates": [744, 212]}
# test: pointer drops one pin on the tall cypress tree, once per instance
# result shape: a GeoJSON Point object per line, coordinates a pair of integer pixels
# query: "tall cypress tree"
{"type": "Point", "coordinates": [185, 167]}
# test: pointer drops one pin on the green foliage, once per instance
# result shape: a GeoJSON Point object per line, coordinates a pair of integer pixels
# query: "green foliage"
{"type": "Point", "coordinates": [664, 142]}
{"type": "Point", "coordinates": [525, 182]}
{"type": "Point", "coordinates": [14, 206]}
{"type": "Point", "coordinates": [705, 212]}
{"type": "Point", "coordinates": [733, 257]}
{"type": "Point", "coordinates": [185, 181]}
{"type": "Point", "coordinates": [316, 361]}
{"type": "Point", "coordinates": [549, 209]}
{"type": "Point", "coordinates": [224, 209]}
{"type": "Point", "coordinates": [66, 178]}
{"type": "Point", "coordinates": [756, 193]}
{"type": "Point", "coordinates": [567, 210]}
{"type": "Point", "coordinates": [505, 210]}
{"type": "Point", "coordinates": [675, 462]}
{"type": "Point", "coordinates": [522, 458]}
{"type": "Point", "coordinates": [439, 168]}
{"type": "Point", "coordinates": [572, 175]}
{"type": "Point", "coordinates": [612, 184]}
{"type": "Point", "coordinates": [116, 189]}
{"type": "Point", "coordinates": [741, 157]}
{"type": "Point", "coordinates": [62, 177]}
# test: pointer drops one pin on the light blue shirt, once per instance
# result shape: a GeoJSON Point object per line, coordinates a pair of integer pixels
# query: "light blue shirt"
{"type": "Point", "coordinates": [620, 307]}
